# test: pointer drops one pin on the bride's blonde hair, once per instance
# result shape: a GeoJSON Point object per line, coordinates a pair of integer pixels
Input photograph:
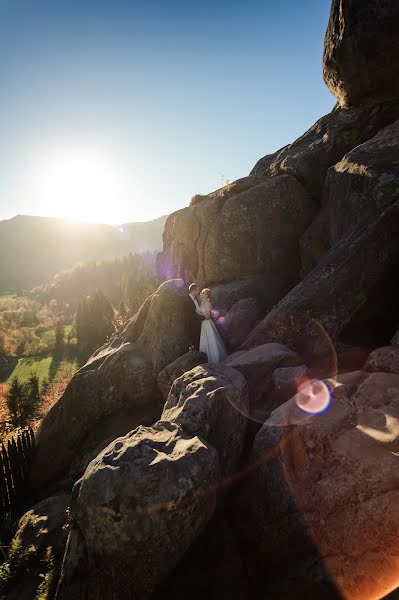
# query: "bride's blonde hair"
{"type": "Point", "coordinates": [207, 292]}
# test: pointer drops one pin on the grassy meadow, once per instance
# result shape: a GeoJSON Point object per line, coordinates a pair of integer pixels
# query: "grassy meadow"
{"type": "Point", "coordinates": [7, 297]}
{"type": "Point", "coordinates": [45, 367]}
{"type": "Point", "coordinates": [24, 322]}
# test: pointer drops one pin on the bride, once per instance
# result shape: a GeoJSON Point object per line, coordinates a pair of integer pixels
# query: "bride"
{"type": "Point", "coordinates": [210, 341]}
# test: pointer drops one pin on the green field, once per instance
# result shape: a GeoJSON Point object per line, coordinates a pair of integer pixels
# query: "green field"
{"type": "Point", "coordinates": [46, 366]}
{"type": "Point", "coordinates": [49, 336]}
{"type": "Point", "coordinates": [7, 297]}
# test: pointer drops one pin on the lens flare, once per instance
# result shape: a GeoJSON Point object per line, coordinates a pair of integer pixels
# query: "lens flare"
{"type": "Point", "coordinates": [166, 271]}
{"type": "Point", "coordinates": [314, 398]}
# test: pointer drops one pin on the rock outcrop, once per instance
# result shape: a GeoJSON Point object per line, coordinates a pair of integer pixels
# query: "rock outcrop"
{"type": "Point", "coordinates": [276, 455]}
{"type": "Point", "coordinates": [252, 232]}
{"type": "Point", "coordinates": [309, 157]}
{"type": "Point", "coordinates": [116, 390]}
{"type": "Point", "coordinates": [178, 367]}
{"type": "Point", "coordinates": [361, 47]}
{"type": "Point", "coordinates": [288, 380]}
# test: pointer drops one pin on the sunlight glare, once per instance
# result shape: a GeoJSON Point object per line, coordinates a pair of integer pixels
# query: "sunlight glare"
{"type": "Point", "coordinates": [82, 184]}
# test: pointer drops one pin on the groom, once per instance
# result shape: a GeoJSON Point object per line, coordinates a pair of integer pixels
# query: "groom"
{"type": "Point", "coordinates": [193, 318]}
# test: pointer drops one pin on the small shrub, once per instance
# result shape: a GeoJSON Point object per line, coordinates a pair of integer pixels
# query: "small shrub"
{"type": "Point", "coordinates": [16, 563]}
{"type": "Point", "coordinates": [198, 198]}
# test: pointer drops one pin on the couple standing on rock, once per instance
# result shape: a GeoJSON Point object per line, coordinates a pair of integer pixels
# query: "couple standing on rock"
{"type": "Point", "coordinates": [201, 325]}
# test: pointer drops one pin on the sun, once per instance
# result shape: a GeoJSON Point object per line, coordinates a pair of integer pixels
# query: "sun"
{"type": "Point", "coordinates": [81, 183]}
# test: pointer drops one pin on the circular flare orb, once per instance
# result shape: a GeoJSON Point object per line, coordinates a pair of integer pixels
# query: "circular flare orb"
{"type": "Point", "coordinates": [314, 398]}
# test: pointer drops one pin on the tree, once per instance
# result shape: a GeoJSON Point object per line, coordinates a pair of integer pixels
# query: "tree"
{"type": "Point", "coordinates": [2, 345]}
{"type": "Point", "coordinates": [13, 399]}
{"type": "Point", "coordinates": [59, 335]}
{"type": "Point", "coordinates": [93, 321]}
{"type": "Point", "coordinates": [44, 387]}
{"type": "Point", "coordinates": [33, 390]}
{"type": "Point", "coordinates": [82, 321]}
{"type": "Point", "coordinates": [20, 348]}
{"type": "Point", "coordinates": [22, 400]}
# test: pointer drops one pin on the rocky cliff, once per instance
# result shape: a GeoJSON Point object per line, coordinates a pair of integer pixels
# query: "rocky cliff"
{"type": "Point", "coordinates": [274, 474]}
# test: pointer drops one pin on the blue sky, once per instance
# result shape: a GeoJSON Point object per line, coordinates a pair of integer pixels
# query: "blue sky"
{"type": "Point", "coordinates": [119, 110]}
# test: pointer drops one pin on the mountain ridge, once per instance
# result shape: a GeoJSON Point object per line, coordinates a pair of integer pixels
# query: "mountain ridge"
{"type": "Point", "coordinates": [34, 248]}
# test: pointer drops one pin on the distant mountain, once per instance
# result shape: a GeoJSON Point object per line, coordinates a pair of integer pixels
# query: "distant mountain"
{"type": "Point", "coordinates": [33, 249]}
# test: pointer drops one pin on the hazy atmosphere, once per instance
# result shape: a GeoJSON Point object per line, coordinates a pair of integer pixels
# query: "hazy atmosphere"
{"type": "Point", "coordinates": [199, 327]}
{"type": "Point", "coordinates": [121, 111]}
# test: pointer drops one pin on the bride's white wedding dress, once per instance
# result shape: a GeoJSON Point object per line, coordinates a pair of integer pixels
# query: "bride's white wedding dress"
{"type": "Point", "coordinates": [210, 341]}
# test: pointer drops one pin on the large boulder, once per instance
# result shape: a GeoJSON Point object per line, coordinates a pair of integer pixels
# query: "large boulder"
{"type": "Point", "coordinates": [211, 401]}
{"type": "Point", "coordinates": [384, 359]}
{"type": "Point", "coordinates": [364, 183]}
{"type": "Point", "coordinates": [327, 484]}
{"type": "Point", "coordinates": [288, 380]}
{"type": "Point", "coordinates": [140, 505]}
{"type": "Point", "coordinates": [239, 321]}
{"type": "Point", "coordinates": [159, 328]}
{"type": "Point", "coordinates": [181, 365]}
{"type": "Point", "coordinates": [257, 366]}
{"type": "Point", "coordinates": [220, 240]}
{"type": "Point", "coordinates": [309, 157]}
{"type": "Point", "coordinates": [90, 407]}
{"type": "Point", "coordinates": [268, 289]}
{"type": "Point", "coordinates": [361, 51]}
{"type": "Point", "coordinates": [165, 334]}
{"type": "Point", "coordinates": [116, 390]}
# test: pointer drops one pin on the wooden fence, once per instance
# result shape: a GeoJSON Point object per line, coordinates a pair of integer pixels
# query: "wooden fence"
{"type": "Point", "coordinates": [15, 460]}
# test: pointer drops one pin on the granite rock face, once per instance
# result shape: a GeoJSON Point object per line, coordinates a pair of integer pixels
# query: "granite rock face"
{"type": "Point", "coordinates": [364, 184]}
{"type": "Point", "coordinates": [139, 506]}
{"type": "Point", "coordinates": [239, 321]}
{"type": "Point", "coordinates": [257, 366]}
{"type": "Point", "coordinates": [361, 51]}
{"type": "Point", "coordinates": [328, 484]}
{"type": "Point", "coordinates": [302, 257]}
{"type": "Point", "coordinates": [362, 203]}
{"type": "Point", "coordinates": [252, 232]}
